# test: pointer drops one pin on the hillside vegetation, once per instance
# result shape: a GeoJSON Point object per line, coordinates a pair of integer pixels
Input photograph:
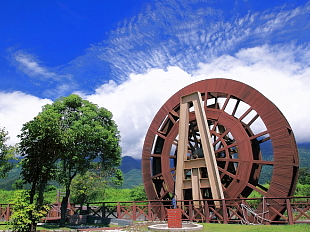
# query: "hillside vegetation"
{"type": "Point", "coordinates": [131, 169]}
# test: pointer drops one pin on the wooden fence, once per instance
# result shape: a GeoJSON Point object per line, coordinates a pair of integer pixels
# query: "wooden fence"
{"type": "Point", "coordinates": [246, 211]}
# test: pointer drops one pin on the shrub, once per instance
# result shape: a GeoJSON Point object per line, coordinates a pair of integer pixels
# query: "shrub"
{"type": "Point", "coordinates": [25, 215]}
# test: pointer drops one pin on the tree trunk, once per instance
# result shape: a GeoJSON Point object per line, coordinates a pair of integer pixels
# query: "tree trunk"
{"type": "Point", "coordinates": [64, 206]}
{"type": "Point", "coordinates": [32, 193]}
{"type": "Point", "coordinates": [33, 225]}
{"type": "Point", "coordinates": [41, 194]}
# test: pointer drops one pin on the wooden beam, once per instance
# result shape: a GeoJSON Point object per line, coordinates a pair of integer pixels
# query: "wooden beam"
{"type": "Point", "coordinates": [209, 160]}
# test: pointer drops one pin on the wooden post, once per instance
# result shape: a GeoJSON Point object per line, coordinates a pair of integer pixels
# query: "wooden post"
{"type": "Point", "coordinates": [8, 212]}
{"type": "Point", "coordinates": [134, 212]}
{"type": "Point", "coordinates": [267, 214]}
{"type": "Point", "coordinates": [209, 161]}
{"type": "Point", "coordinates": [246, 218]}
{"type": "Point", "coordinates": [207, 212]}
{"type": "Point", "coordinates": [162, 212]}
{"type": "Point", "coordinates": [103, 210]}
{"type": "Point", "coordinates": [224, 209]}
{"type": "Point", "coordinates": [149, 212]}
{"type": "Point", "coordinates": [289, 212]}
{"type": "Point", "coordinates": [118, 210]}
{"type": "Point", "coordinates": [182, 149]}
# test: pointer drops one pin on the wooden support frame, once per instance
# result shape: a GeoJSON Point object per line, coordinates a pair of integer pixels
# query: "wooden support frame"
{"type": "Point", "coordinates": [209, 160]}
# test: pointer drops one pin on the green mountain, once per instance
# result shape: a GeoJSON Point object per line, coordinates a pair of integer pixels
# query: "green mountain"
{"type": "Point", "coordinates": [132, 178]}
{"type": "Point", "coordinates": [304, 157]}
{"type": "Point", "coordinates": [7, 182]}
{"type": "Point", "coordinates": [129, 163]}
{"type": "Point", "coordinates": [131, 169]}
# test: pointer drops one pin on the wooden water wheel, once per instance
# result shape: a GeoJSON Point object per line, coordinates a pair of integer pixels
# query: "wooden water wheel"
{"type": "Point", "coordinates": [242, 124]}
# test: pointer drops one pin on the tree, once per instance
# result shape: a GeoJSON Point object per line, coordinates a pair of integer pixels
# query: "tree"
{"type": "Point", "coordinates": [138, 193]}
{"type": "Point", "coordinates": [41, 147]}
{"type": "Point", "coordinates": [304, 176]}
{"type": "Point", "coordinates": [84, 187]}
{"type": "Point", "coordinates": [91, 186]}
{"type": "Point", "coordinates": [24, 212]}
{"type": "Point", "coordinates": [6, 154]}
{"type": "Point", "coordinates": [66, 139]}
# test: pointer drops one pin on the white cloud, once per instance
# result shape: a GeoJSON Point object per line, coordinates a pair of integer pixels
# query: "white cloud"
{"type": "Point", "coordinates": [275, 71]}
{"type": "Point", "coordinates": [183, 34]}
{"type": "Point", "coordinates": [29, 65]}
{"type": "Point", "coordinates": [165, 44]}
{"type": "Point", "coordinates": [135, 102]}
{"type": "Point", "coordinates": [46, 80]}
{"type": "Point", "coordinates": [17, 108]}
{"type": "Point", "coordinates": [269, 69]}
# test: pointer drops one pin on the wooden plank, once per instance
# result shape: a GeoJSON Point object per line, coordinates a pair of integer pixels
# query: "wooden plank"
{"type": "Point", "coordinates": [182, 150]}
{"type": "Point", "coordinates": [208, 161]}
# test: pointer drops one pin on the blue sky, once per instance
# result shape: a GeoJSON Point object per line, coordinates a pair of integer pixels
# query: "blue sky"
{"type": "Point", "coordinates": [131, 56]}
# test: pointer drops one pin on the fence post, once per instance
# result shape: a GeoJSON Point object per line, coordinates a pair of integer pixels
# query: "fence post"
{"type": "Point", "coordinates": [245, 215]}
{"type": "Point", "coordinates": [207, 212]}
{"type": "Point", "coordinates": [103, 209]}
{"type": "Point", "coordinates": [267, 212]}
{"type": "Point", "coordinates": [134, 212]}
{"type": "Point", "coordinates": [7, 214]}
{"type": "Point", "coordinates": [224, 209]}
{"type": "Point", "coordinates": [190, 211]}
{"type": "Point", "coordinates": [149, 212]}
{"type": "Point", "coordinates": [289, 211]}
{"type": "Point", "coordinates": [162, 212]}
{"type": "Point", "coordinates": [119, 210]}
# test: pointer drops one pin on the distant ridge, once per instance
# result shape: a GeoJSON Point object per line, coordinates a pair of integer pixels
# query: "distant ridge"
{"type": "Point", "coordinates": [129, 163]}
{"type": "Point", "coordinates": [131, 169]}
{"type": "Point", "coordinates": [303, 145]}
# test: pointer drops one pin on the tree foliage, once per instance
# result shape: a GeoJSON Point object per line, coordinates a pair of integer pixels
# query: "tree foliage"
{"type": "Point", "coordinates": [40, 147]}
{"type": "Point", "coordinates": [6, 154]}
{"type": "Point", "coordinates": [85, 188]}
{"type": "Point", "coordinates": [304, 176]}
{"type": "Point", "coordinates": [91, 186]}
{"type": "Point", "coordinates": [137, 193]}
{"type": "Point", "coordinates": [24, 213]}
{"type": "Point", "coordinates": [65, 140]}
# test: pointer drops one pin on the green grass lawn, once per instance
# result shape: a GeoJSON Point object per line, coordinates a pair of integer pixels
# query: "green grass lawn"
{"type": "Point", "coordinates": [55, 227]}
{"type": "Point", "coordinates": [255, 228]}
{"type": "Point", "coordinates": [47, 227]}
{"type": "Point", "coordinates": [238, 228]}
{"type": "Point", "coordinates": [211, 227]}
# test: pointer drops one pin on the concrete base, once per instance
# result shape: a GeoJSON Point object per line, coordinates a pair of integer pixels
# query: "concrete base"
{"type": "Point", "coordinates": [185, 227]}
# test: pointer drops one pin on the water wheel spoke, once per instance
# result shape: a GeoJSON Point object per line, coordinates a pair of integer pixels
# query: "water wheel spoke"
{"type": "Point", "coordinates": [245, 114]}
{"type": "Point", "coordinates": [236, 107]}
{"type": "Point", "coordinates": [252, 120]}
{"type": "Point", "coordinates": [226, 102]}
{"type": "Point", "coordinates": [227, 172]}
{"type": "Point", "coordinates": [262, 187]}
{"type": "Point", "coordinates": [259, 135]}
{"type": "Point", "coordinates": [257, 189]}
{"type": "Point", "coordinates": [226, 147]}
{"type": "Point", "coordinates": [161, 134]}
{"type": "Point", "coordinates": [154, 155]}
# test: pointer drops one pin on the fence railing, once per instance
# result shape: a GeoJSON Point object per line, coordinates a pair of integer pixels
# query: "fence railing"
{"type": "Point", "coordinates": [266, 210]}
